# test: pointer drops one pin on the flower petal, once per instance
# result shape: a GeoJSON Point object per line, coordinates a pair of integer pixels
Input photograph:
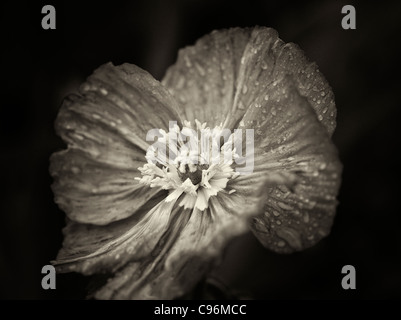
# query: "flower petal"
{"type": "Point", "coordinates": [292, 146]}
{"type": "Point", "coordinates": [105, 126]}
{"type": "Point", "coordinates": [92, 249]}
{"type": "Point", "coordinates": [89, 191]}
{"type": "Point", "coordinates": [188, 249]}
{"type": "Point", "coordinates": [110, 116]}
{"type": "Point", "coordinates": [218, 78]}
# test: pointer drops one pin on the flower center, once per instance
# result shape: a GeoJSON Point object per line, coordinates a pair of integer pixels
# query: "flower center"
{"type": "Point", "coordinates": [194, 176]}
{"type": "Point", "coordinates": [190, 164]}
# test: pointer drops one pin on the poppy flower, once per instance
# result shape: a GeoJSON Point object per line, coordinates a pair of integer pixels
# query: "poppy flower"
{"type": "Point", "coordinates": [156, 213]}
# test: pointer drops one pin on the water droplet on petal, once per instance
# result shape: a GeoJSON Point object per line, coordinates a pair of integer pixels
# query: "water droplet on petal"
{"type": "Point", "coordinates": [281, 243]}
{"type": "Point", "coordinates": [320, 117]}
{"type": "Point", "coordinates": [187, 62]}
{"type": "Point", "coordinates": [306, 217]}
{"type": "Point", "coordinates": [75, 170]}
{"type": "Point", "coordinates": [263, 65]}
{"type": "Point", "coordinates": [200, 69]}
{"type": "Point", "coordinates": [291, 236]}
{"type": "Point", "coordinates": [285, 206]}
{"type": "Point", "coordinates": [244, 89]}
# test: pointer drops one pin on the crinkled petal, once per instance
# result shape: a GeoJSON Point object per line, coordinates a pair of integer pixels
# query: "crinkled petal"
{"type": "Point", "coordinates": [92, 249]}
{"type": "Point", "coordinates": [89, 191]}
{"type": "Point", "coordinates": [218, 78]}
{"type": "Point", "coordinates": [294, 148]}
{"type": "Point", "coordinates": [112, 113]}
{"type": "Point", "coordinates": [105, 126]}
{"type": "Point", "coordinates": [188, 249]}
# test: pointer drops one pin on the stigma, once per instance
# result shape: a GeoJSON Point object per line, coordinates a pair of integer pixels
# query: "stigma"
{"type": "Point", "coordinates": [190, 164]}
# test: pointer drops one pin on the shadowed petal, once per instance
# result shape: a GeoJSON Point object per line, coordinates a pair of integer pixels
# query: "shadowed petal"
{"type": "Point", "coordinates": [218, 78]}
{"type": "Point", "coordinates": [290, 142]}
{"type": "Point", "coordinates": [187, 251]}
{"type": "Point", "coordinates": [91, 249]}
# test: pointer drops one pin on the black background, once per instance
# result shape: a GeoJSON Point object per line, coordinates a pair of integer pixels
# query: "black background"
{"type": "Point", "coordinates": [39, 67]}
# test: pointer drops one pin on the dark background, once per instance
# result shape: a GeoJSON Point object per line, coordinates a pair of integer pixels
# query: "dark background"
{"type": "Point", "coordinates": [39, 67]}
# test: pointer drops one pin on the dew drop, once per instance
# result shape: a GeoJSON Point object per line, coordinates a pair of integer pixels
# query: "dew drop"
{"type": "Point", "coordinates": [180, 83]}
{"type": "Point", "coordinates": [276, 213]}
{"type": "Point", "coordinates": [325, 110]}
{"type": "Point", "coordinates": [320, 117]}
{"type": "Point", "coordinates": [263, 65]}
{"type": "Point", "coordinates": [95, 116]}
{"type": "Point", "coordinates": [241, 105]}
{"type": "Point", "coordinates": [284, 206]}
{"type": "Point", "coordinates": [242, 60]}
{"type": "Point", "coordinates": [273, 111]}
{"type": "Point", "coordinates": [244, 89]}
{"type": "Point", "coordinates": [322, 93]}
{"type": "Point", "coordinates": [278, 222]}
{"type": "Point", "coordinates": [75, 170]}
{"type": "Point", "coordinates": [78, 136]}
{"type": "Point", "coordinates": [281, 243]}
{"type": "Point", "coordinates": [291, 236]}
{"type": "Point", "coordinates": [200, 69]}
{"type": "Point", "coordinates": [187, 62]}
{"type": "Point", "coordinates": [266, 97]}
